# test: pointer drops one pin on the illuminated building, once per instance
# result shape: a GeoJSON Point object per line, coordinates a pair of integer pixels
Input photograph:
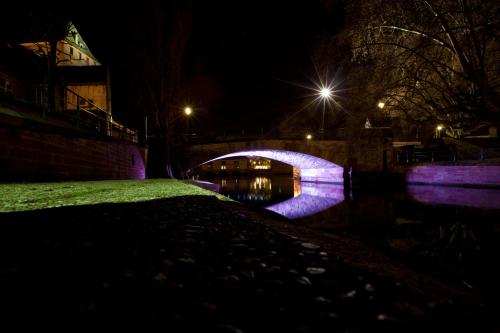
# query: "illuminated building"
{"type": "Point", "coordinates": [83, 74]}
{"type": "Point", "coordinates": [82, 92]}
{"type": "Point", "coordinates": [244, 165]}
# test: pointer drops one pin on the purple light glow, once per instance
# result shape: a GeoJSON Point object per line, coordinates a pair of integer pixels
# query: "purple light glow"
{"type": "Point", "coordinates": [313, 199]}
{"type": "Point", "coordinates": [312, 169]}
{"type": "Point", "coordinates": [138, 168]}
{"type": "Point", "coordinates": [454, 175]}
{"type": "Point", "coordinates": [456, 196]}
{"type": "Point", "coordinates": [206, 185]}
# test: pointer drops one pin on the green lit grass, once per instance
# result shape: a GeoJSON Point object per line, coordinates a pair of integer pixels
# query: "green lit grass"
{"type": "Point", "coordinates": [31, 196]}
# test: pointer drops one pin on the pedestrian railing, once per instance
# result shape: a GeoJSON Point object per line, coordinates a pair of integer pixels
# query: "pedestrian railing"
{"type": "Point", "coordinates": [88, 115]}
{"type": "Point", "coordinates": [73, 109]}
{"type": "Point", "coordinates": [21, 91]}
{"type": "Point", "coordinates": [412, 154]}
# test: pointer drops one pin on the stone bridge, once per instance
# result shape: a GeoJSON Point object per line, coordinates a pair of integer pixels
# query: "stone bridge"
{"type": "Point", "coordinates": [369, 153]}
{"type": "Point", "coordinates": [333, 151]}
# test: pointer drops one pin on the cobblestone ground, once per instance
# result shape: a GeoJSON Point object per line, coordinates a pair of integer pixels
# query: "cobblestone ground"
{"type": "Point", "coordinates": [193, 264]}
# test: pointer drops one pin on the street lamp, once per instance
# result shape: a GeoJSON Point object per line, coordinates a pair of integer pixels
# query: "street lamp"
{"type": "Point", "coordinates": [439, 128]}
{"type": "Point", "coordinates": [381, 105]}
{"type": "Point", "coordinates": [187, 111]}
{"type": "Point", "coordinates": [325, 93]}
{"type": "Point", "coordinates": [309, 136]}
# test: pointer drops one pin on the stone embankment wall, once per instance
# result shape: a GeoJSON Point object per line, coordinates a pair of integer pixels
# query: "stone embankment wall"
{"type": "Point", "coordinates": [33, 155]}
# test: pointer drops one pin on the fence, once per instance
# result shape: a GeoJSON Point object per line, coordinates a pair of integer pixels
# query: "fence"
{"type": "Point", "coordinates": [22, 91]}
{"type": "Point", "coordinates": [412, 154]}
{"type": "Point", "coordinates": [75, 109]}
{"type": "Point", "coordinates": [90, 117]}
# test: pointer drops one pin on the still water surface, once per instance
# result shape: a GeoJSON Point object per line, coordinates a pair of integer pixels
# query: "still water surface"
{"type": "Point", "coordinates": [450, 231]}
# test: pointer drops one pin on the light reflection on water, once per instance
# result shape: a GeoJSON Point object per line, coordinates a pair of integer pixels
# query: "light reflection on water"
{"type": "Point", "coordinates": [312, 198]}
{"type": "Point", "coordinates": [288, 197]}
{"type": "Point", "coordinates": [456, 231]}
{"type": "Point", "coordinates": [456, 196]}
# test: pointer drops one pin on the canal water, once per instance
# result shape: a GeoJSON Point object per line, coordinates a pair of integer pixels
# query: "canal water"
{"type": "Point", "coordinates": [448, 231]}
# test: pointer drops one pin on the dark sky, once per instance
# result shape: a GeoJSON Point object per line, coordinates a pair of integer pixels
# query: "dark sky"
{"type": "Point", "coordinates": [240, 56]}
{"type": "Point", "coordinates": [251, 49]}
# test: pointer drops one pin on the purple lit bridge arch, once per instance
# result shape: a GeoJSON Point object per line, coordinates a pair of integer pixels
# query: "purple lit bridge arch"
{"type": "Point", "coordinates": [311, 168]}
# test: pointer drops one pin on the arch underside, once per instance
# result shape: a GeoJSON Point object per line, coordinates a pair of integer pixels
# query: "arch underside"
{"type": "Point", "coordinates": [312, 168]}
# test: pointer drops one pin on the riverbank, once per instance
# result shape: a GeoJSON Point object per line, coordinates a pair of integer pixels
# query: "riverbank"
{"type": "Point", "coordinates": [193, 262]}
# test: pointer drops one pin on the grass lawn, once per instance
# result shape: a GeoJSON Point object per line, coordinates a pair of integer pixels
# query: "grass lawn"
{"type": "Point", "coordinates": [31, 196]}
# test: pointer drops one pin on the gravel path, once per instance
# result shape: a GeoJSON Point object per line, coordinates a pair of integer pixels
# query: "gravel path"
{"type": "Point", "coordinates": [194, 264]}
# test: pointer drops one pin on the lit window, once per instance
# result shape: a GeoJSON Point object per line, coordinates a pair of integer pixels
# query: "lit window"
{"type": "Point", "coordinates": [260, 164]}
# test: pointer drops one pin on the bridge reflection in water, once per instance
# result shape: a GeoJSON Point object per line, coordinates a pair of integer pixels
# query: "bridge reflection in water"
{"type": "Point", "coordinates": [281, 194]}
{"type": "Point", "coordinates": [313, 198]}
{"type": "Point", "coordinates": [449, 230]}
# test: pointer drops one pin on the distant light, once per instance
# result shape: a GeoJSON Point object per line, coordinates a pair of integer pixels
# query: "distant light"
{"type": "Point", "coordinates": [439, 127]}
{"type": "Point", "coordinates": [309, 136]}
{"type": "Point", "coordinates": [325, 92]}
{"type": "Point", "coordinates": [381, 105]}
{"type": "Point", "coordinates": [188, 111]}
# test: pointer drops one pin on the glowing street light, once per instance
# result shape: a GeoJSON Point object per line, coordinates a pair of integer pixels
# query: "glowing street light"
{"type": "Point", "coordinates": [381, 105]}
{"type": "Point", "coordinates": [325, 94]}
{"type": "Point", "coordinates": [309, 136]}
{"type": "Point", "coordinates": [187, 111]}
{"type": "Point", "coordinates": [439, 128]}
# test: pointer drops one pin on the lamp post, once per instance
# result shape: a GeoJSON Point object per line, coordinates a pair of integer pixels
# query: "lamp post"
{"type": "Point", "coordinates": [187, 111]}
{"type": "Point", "coordinates": [439, 128]}
{"type": "Point", "coordinates": [325, 94]}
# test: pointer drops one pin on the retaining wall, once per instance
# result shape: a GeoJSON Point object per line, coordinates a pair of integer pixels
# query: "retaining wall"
{"type": "Point", "coordinates": [456, 175]}
{"type": "Point", "coordinates": [33, 155]}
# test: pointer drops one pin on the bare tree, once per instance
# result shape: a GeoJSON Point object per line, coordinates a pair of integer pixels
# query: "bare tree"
{"type": "Point", "coordinates": [162, 45]}
{"type": "Point", "coordinates": [431, 59]}
{"type": "Point", "coordinates": [48, 26]}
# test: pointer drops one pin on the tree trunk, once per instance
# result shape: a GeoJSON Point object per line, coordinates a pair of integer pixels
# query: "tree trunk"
{"type": "Point", "coordinates": [52, 75]}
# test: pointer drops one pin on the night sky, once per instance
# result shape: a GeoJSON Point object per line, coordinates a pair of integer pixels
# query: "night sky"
{"type": "Point", "coordinates": [240, 60]}
{"type": "Point", "coordinates": [252, 49]}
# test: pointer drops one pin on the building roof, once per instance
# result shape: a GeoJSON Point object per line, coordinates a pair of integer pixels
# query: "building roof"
{"type": "Point", "coordinates": [40, 45]}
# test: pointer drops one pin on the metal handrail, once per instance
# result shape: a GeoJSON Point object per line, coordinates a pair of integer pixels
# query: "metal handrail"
{"type": "Point", "coordinates": [86, 115]}
{"type": "Point", "coordinates": [113, 129]}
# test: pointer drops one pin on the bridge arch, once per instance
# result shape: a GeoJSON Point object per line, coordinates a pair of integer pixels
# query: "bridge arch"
{"type": "Point", "coordinates": [311, 168]}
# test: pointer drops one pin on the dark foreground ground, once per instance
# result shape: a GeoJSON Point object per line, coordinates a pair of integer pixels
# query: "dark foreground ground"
{"type": "Point", "coordinates": [198, 264]}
